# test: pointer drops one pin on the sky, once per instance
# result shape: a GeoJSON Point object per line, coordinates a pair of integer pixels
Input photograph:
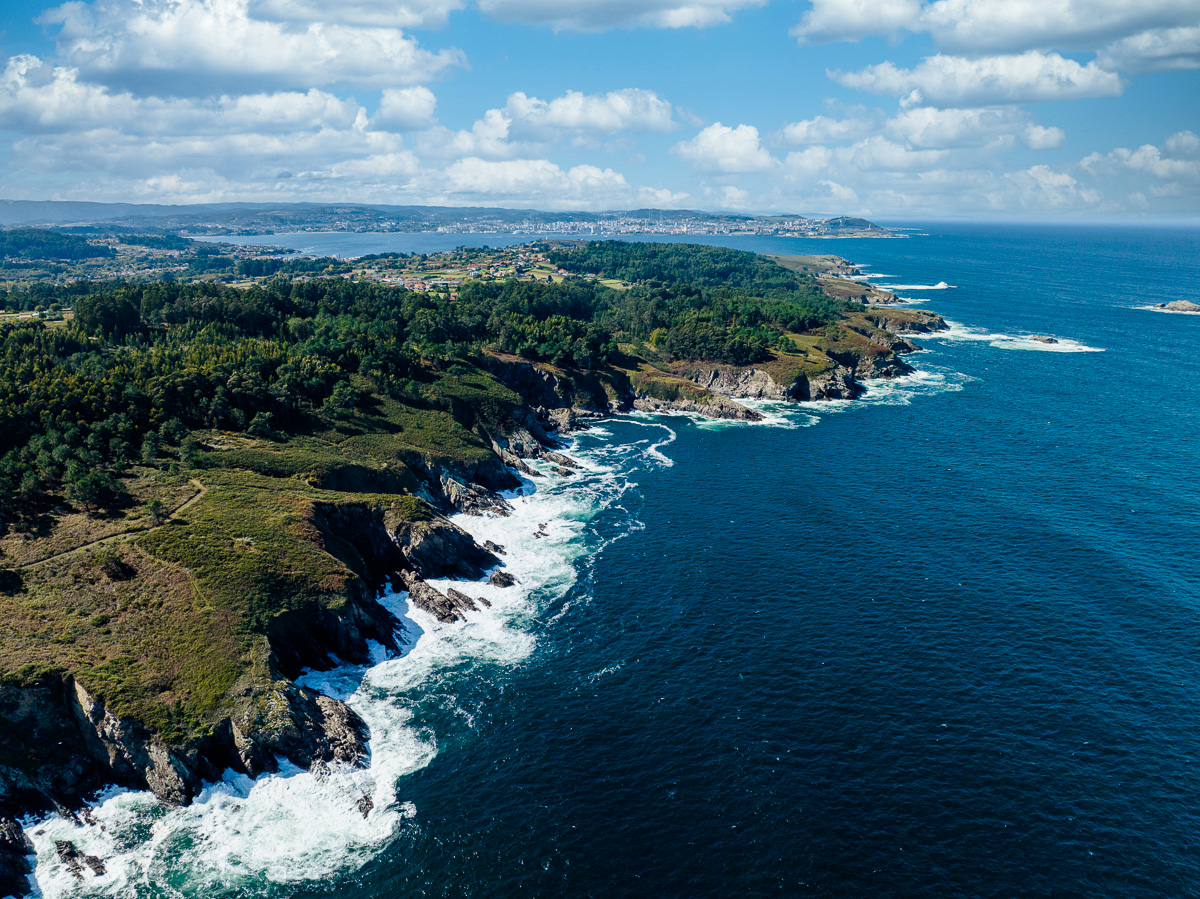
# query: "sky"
{"type": "Point", "coordinates": [1024, 109]}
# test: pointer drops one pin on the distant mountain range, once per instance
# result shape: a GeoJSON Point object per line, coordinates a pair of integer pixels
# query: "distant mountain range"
{"type": "Point", "coordinates": [266, 218]}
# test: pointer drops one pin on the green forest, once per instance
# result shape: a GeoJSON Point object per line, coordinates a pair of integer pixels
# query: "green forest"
{"type": "Point", "coordinates": [38, 244]}
{"type": "Point", "coordinates": [141, 366]}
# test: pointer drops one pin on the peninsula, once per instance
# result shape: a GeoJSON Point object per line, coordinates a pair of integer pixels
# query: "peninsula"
{"type": "Point", "coordinates": [204, 487]}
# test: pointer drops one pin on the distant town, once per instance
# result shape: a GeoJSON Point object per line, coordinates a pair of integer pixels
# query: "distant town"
{"type": "Point", "coordinates": [686, 224]}
{"type": "Point", "coordinates": [250, 219]}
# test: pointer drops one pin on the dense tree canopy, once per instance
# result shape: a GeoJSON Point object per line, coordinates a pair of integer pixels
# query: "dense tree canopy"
{"type": "Point", "coordinates": [141, 365]}
{"type": "Point", "coordinates": [38, 243]}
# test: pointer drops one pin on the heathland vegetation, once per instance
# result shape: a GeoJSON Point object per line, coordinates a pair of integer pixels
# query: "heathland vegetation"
{"type": "Point", "coordinates": [202, 486]}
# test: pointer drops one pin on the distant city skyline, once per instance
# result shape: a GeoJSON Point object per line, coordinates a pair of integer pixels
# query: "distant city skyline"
{"type": "Point", "coordinates": [888, 109]}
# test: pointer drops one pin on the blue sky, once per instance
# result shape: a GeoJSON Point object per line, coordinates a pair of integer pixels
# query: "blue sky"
{"type": "Point", "coordinates": [885, 108]}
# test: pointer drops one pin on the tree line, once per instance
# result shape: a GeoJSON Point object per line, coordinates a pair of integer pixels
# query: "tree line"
{"type": "Point", "coordinates": [142, 366]}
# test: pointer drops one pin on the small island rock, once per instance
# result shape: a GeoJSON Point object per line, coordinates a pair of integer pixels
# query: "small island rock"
{"type": "Point", "coordinates": [1180, 306]}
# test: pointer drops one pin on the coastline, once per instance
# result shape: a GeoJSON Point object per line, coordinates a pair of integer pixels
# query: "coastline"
{"type": "Point", "coordinates": [428, 554]}
{"type": "Point", "coordinates": [331, 813]}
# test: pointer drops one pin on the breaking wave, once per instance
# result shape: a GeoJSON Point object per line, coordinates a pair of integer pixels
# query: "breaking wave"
{"type": "Point", "coordinates": [262, 838]}
{"type": "Point", "coordinates": [961, 332]}
{"type": "Point", "coordinates": [941, 285]}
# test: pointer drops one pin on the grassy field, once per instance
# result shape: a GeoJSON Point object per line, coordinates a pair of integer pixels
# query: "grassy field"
{"type": "Point", "coordinates": [826, 269]}
{"type": "Point", "coordinates": [171, 622]}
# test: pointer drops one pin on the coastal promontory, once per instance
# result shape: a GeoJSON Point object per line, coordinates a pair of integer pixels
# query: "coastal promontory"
{"type": "Point", "coordinates": [204, 488]}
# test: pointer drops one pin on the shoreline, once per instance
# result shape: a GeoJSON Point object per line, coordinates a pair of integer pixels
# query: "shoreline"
{"type": "Point", "coordinates": [345, 809]}
{"type": "Point", "coordinates": [533, 440]}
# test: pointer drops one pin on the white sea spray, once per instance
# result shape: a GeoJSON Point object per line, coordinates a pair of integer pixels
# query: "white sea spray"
{"type": "Point", "coordinates": [255, 837]}
{"type": "Point", "coordinates": [941, 285]}
{"type": "Point", "coordinates": [961, 332]}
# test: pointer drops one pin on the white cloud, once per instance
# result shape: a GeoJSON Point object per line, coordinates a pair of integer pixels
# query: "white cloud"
{"type": "Point", "coordinates": [196, 46]}
{"type": "Point", "coordinates": [1183, 143]}
{"type": "Point", "coordinates": [995, 127]}
{"type": "Point", "coordinates": [1037, 137]}
{"type": "Point", "coordinates": [526, 123]}
{"type": "Point", "coordinates": [851, 20]}
{"type": "Point", "coordinates": [1041, 187]}
{"type": "Point", "coordinates": [719, 148]}
{"type": "Point", "coordinates": [1170, 174]}
{"type": "Point", "coordinates": [544, 183]}
{"type": "Point", "coordinates": [1179, 162]}
{"type": "Point", "coordinates": [825, 130]}
{"type": "Point", "coordinates": [807, 162]}
{"type": "Point", "coordinates": [385, 13]}
{"type": "Point", "coordinates": [840, 195]}
{"type": "Point", "coordinates": [999, 25]}
{"type": "Point", "coordinates": [733, 197]}
{"type": "Point", "coordinates": [880, 154]}
{"type": "Point", "coordinates": [405, 109]}
{"type": "Point", "coordinates": [37, 97]}
{"type": "Point", "coordinates": [617, 111]}
{"type": "Point", "coordinates": [961, 81]}
{"type": "Point", "coordinates": [599, 15]}
{"type": "Point", "coordinates": [94, 135]}
{"type": "Point", "coordinates": [374, 169]}
{"type": "Point", "coordinates": [489, 136]}
{"type": "Point", "coordinates": [931, 127]}
{"type": "Point", "coordinates": [1158, 50]}
{"type": "Point", "coordinates": [842, 188]}
{"type": "Point", "coordinates": [1150, 159]}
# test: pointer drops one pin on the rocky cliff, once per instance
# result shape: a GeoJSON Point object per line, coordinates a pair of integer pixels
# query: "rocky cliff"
{"type": "Point", "coordinates": [869, 346]}
{"type": "Point", "coordinates": [63, 742]}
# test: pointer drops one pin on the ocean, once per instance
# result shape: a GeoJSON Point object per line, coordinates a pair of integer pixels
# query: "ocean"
{"type": "Point", "coordinates": [939, 641]}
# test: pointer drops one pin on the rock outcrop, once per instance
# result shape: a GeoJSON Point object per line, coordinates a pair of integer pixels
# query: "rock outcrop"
{"type": "Point", "coordinates": [711, 407]}
{"type": "Point", "coordinates": [446, 607]}
{"type": "Point", "coordinates": [64, 741]}
{"type": "Point", "coordinates": [293, 722]}
{"type": "Point", "coordinates": [907, 321]}
{"type": "Point", "coordinates": [72, 745]}
{"type": "Point", "coordinates": [132, 755]}
{"type": "Point", "coordinates": [832, 384]}
{"type": "Point", "coordinates": [1179, 306]}
{"type": "Point", "coordinates": [15, 850]}
{"type": "Point", "coordinates": [441, 549]}
{"type": "Point", "coordinates": [375, 541]}
{"type": "Point", "coordinates": [744, 383]}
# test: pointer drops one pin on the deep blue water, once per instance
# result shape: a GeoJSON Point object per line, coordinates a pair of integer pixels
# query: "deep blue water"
{"type": "Point", "coordinates": [943, 648]}
{"type": "Point", "coordinates": [940, 642]}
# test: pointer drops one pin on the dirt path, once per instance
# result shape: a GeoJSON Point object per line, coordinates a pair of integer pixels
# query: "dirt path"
{"type": "Point", "coordinates": [114, 538]}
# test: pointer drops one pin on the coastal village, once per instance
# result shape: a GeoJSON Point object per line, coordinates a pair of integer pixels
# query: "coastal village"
{"type": "Point", "coordinates": [447, 271]}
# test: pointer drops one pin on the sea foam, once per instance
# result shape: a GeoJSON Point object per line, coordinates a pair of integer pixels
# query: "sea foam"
{"type": "Point", "coordinates": [901, 391]}
{"type": "Point", "coordinates": [1156, 308]}
{"type": "Point", "coordinates": [265, 837]}
{"type": "Point", "coordinates": [961, 332]}
{"type": "Point", "coordinates": [941, 285]}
